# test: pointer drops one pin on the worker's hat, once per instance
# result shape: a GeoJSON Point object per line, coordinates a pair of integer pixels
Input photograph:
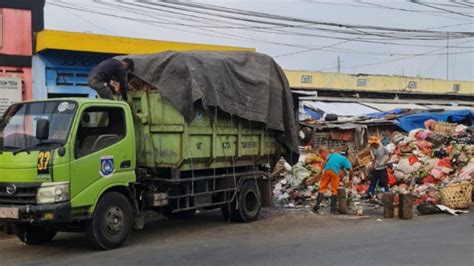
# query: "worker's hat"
{"type": "Point", "coordinates": [374, 140]}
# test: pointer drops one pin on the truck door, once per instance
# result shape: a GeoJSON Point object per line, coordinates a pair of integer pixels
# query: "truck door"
{"type": "Point", "coordinates": [103, 153]}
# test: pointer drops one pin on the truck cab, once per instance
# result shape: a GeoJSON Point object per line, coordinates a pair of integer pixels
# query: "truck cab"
{"type": "Point", "coordinates": [58, 158]}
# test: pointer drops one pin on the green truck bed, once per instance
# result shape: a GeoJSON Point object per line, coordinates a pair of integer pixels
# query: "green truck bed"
{"type": "Point", "coordinates": [212, 140]}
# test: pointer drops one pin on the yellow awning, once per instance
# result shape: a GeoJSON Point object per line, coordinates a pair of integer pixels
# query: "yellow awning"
{"type": "Point", "coordinates": [85, 42]}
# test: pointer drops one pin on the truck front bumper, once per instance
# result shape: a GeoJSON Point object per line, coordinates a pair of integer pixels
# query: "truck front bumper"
{"type": "Point", "coordinates": [47, 213]}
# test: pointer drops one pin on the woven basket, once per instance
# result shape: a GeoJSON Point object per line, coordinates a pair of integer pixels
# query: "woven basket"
{"type": "Point", "coordinates": [472, 185]}
{"type": "Point", "coordinates": [457, 196]}
{"type": "Point", "coordinates": [444, 129]}
{"type": "Point", "coordinates": [365, 157]}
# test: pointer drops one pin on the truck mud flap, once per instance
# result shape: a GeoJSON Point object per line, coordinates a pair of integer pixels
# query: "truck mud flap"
{"type": "Point", "coordinates": [265, 187]}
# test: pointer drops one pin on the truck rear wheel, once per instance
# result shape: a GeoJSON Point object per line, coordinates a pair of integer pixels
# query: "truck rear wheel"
{"type": "Point", "coordinates": [34, 235]}
{"type": "Point", "coordinates": [111, 223]}
{"type": "Point", "coordinates": [249, 204]}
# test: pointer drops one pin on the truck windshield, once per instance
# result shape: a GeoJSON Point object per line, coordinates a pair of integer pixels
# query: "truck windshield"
{"type": "Point", "coordinates": [18, 124]}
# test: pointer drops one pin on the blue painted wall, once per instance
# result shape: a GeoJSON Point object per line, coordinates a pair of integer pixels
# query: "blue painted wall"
{"type": "Point", "coordinates": [64, 73]}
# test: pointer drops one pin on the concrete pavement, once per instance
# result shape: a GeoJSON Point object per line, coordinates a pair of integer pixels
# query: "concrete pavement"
{"type": "Point", "coordinates": [281, 238]}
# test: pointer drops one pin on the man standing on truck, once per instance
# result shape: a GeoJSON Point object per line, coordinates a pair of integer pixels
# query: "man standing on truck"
{"type": "Point", "coordinates": [335, 164]}
{"type": "Point", "coordinates": [109, 77]}
{"type": "Point", "coordinates": [379, 166]}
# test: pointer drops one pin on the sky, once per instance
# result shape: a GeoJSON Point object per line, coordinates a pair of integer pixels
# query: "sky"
{"type": "Point", "coordinates": [304, 46]}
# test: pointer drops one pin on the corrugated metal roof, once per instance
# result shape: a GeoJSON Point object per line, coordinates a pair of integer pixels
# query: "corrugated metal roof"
{"type": "Point", "coordinates": [383, 107]}
{"type": "Point", "coordinates": [306, 92]}
{"type": "Point", "coordinates": [340, 108]}
{"type": "Point", "coordinates": [449, 107]}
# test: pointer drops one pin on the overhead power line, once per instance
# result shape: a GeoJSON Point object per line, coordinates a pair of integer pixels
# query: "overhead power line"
{"type": "Point", "coordinates": [160, 24]}
{"type": "Point", "coordinates": [152, 22]}
{"type": "Point", "coordinates": [439, 8]}
{"type": "Point", "coordinates": [313, 49]}
{"type": "Point", "coordinates": [453, 3]}
{"type": "Point", "coordinates": [141, 20]}
{"type": "Point", "coordinates": [88, 21]}
{"type": "Point", "coordinates": [371, 53]}
{"type": "Point", "coordinates": [220, 21]}
{"type": "Point", "coordinates": [226, 35]}
{"type": "Point", "coordinates": [389, 61]}
{"type": "Point", "coordinates": [357, 32]}
{"type": "Point", "coordinates": [379, 6]}
{"type": "Point", "coordinates": [131, 8]}
{"type": "Point", "coordinates": [359, 52]}
{"type": "Point", "coordinates": [324, 48]}
{"type": "Point", "coordinates": [270, 17]}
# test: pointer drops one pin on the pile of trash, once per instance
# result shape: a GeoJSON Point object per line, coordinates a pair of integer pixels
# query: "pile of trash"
{"type": "Point", "coordinates": [424, 161]}
{"type": "Point", "coordinates": [297, 185]}
{"type": "Point", "coordinates": [421, 162]}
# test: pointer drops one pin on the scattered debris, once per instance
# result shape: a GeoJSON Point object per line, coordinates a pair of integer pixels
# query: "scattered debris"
{"type": "Point", "coordinates": [422, 162]}
{"type": "Point", "coordinates": [450, 211]}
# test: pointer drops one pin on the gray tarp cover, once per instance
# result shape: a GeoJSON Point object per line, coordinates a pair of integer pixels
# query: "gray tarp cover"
{"type": "Point", "coordinates": [246, 84]}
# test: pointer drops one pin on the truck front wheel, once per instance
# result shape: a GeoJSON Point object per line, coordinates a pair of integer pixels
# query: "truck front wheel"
{"type": "Point", "coordinates": [249, 204]}
{"type": "Point", "coordinates": [111, 223]}
{"type": "Point", "coordinates": [34, 235]}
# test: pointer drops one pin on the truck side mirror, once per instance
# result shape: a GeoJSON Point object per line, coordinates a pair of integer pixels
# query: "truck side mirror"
{"type": "Point", "coordinates": [42, 129]}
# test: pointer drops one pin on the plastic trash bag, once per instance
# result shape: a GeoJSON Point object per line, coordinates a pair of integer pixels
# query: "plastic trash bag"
{"type": "Point", "coordinates": [427, 209]}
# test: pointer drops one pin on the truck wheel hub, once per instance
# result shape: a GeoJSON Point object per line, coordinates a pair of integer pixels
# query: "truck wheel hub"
{"type": "Point", "coordinates": [251, 202]}
{"type": "Point", "coordinates": [114, 220]}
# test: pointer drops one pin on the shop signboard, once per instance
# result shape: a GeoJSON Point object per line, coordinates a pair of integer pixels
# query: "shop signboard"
{"type": "Point", "coordinates": [10, 92]}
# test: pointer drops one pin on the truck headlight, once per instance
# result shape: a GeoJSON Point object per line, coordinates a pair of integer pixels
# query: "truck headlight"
{"type": "Point", "coordinates": [53, 192]}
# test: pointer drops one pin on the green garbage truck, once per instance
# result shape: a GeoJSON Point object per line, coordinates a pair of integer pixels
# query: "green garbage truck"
{"type": "Point", "coordinates": [97, 166]}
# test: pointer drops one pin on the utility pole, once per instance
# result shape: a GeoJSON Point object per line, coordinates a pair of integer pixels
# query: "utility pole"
{"type": "Point", "coordinates": [447, 57]}
{"type": "Point", "coordinates": [338, 64]}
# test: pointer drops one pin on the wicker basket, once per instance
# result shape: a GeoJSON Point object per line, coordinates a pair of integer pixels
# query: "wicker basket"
{"type": "Point", "coordinates": [457, 196]}
{"type": "Point", "coordinates": [444, 129]}
{"type": "Point", "coordinates": [472, 185]}
{"type": "Point", "coordinates": [365, 157]}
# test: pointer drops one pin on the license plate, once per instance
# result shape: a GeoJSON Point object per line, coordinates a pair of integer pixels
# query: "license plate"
{"type": "Point", "coordinates": [9, 213]}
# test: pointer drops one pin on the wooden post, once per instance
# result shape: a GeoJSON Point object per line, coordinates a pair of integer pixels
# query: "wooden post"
{"type": "Point", "coordinates": [405, 207]}
{"type": "Point", "coordinates": [341, 195]}
{"type": "Point", "coordinates": [388, 208]}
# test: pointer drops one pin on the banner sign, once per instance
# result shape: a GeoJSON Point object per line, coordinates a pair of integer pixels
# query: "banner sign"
{"type": "Point", "coordinates": [10, 92]}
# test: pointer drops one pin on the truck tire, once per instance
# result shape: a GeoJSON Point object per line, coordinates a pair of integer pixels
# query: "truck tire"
{"type": "Point", "coordinates": [249, 204]}
{"type": "Point", "coordinates": [111, 223]}
{"type": "Point", "coordinates": [34, 235]}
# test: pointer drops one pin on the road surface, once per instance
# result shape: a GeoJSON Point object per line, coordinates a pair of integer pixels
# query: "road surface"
{"type": "Point", "coordinates": [280, 238]}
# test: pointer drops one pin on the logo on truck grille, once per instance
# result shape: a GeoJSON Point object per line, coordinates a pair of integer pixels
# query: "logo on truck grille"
{"type": "Point", "coordinates": [10, 189]}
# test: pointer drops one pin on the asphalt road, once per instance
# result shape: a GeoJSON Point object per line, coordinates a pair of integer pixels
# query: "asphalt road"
{"type": "Point", "coordinates": [280, 238]}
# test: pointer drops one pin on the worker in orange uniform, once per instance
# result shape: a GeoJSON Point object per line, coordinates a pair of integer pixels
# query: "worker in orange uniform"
{"type": "Point", "coordinates": [335, 164]}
